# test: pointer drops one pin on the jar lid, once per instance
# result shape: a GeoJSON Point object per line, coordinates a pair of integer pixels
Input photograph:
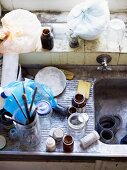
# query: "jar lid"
{"type": "Point", "coordinates": [86, 117]}
{"type": "Point", "coordinates": [44, 108]}
{"type": "Point", "coordinates": [76, 121]}
{"type": "Point", "coordinates": [58, 134]}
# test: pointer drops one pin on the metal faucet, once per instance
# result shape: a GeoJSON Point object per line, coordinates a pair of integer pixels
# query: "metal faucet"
{"type": "Point", "coordinates": [103, 60]}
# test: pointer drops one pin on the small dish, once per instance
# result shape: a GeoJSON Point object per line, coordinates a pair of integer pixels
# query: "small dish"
{"type": "Point", "coordinates": [53, 77]}
{"type": "Point", "coordinates": [2, 142]}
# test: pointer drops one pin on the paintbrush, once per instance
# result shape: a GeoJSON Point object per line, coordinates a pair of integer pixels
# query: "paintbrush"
{"type": "Point", "coordinates": [24, 91]}
{"type": "Point", "coordinates": [19, 105]}
{"type": "Point", "coordinates": [34, 114]}
{"type": "Point", "coordinates": [26, 106]}
{"type": "Point", "coordinates": [33, 97]}
{"type": "Point", "coordinates": [8, 117]}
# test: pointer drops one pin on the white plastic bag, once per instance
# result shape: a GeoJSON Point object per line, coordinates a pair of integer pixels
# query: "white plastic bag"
{"type": "Point", "coordinates": [25, 31]}
{"type": "Point", "coordinates": [88, 19]}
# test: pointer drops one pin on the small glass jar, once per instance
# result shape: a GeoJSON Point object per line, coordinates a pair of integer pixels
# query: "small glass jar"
{"type": "Point", "coordinates": [7, 123]}
{"type": "Point", "coordinates": [73, 42]}
{"type": "Point", "coordinates": [68, 143]}
{"type": "Point", "coordinates": [47, 39]}
{"type": "Point", "coordinates": [44, 111]}
{"type": "Point", "coordinates": [76, 126]}
{"type": "Point", "coordinates": [29, 135]}
{"type": "Point", "coordinates": [79, 102]}
{"type": "Point", "coordinates": [71, 110]}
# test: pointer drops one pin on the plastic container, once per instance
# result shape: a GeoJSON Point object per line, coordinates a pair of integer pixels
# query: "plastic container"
{"type": "Point", "coordinates": [76, 125]}
{"type": "Point", "coordinates": [44, 111]}
{"type": "Point", "coordinates": [50, 144]}
{"type": "Point", "coordinates": [89, 139]}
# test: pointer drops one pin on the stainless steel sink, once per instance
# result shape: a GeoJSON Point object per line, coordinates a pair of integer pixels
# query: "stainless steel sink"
{"type": "Point", "coordinates": [110, 98]}
{"type": "Point", "coordinates": [108, 95]}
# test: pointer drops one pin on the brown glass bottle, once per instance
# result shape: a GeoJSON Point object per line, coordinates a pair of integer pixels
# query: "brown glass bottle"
{"type": "Point", "coordinates": [47, 39]}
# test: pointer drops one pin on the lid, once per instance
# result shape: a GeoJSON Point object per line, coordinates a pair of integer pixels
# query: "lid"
{"type": "Point", "coordinates": [44, 108]}
{"type": "Point", "coordinates": [117, 24]}
{"type": "Point", "coordinates": [5, 93]}
{"type": "Point", "coordinates": [86, 117]}
{"type": "Point", "coordinates": [50, 142]}
{"type": "Point", "coordinates": [58, 133]}
{"type": "Point", "coordinates": [96, 133]}
{"type": "Point", "coordinates": [2, 142]}
{"type": "Point", "coordinates": [76, 121]}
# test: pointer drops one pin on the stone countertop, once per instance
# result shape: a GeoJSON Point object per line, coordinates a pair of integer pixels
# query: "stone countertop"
{"type": "Point", "coordinates": [87, 51]}
{"type": "Point", "coordinates": [58, 22]}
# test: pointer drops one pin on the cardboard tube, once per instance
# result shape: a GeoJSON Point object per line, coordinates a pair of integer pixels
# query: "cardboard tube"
{"type": "Point", "coordinates": [9, 68]}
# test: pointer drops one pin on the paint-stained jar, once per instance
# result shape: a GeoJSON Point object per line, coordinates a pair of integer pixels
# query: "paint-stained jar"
{"type": "Point", "coordinates": [47, 40]}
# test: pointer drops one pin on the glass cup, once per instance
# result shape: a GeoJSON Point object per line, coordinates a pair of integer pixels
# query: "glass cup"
{"type": "Point", "coordinates": [29, 134]}
{"type": "Point", "coordinates": [115, 34]}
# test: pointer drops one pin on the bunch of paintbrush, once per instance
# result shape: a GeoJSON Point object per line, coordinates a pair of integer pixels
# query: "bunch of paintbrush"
{"type": "Point", "coordinates": [27, 114]}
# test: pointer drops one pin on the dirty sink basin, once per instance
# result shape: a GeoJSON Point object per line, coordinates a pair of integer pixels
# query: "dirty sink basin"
{"type": "Point", "coordinates": [110, 98]}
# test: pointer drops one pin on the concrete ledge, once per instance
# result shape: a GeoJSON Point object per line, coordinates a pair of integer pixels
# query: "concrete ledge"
{"type": "Point", "coordinates": [87, 51]}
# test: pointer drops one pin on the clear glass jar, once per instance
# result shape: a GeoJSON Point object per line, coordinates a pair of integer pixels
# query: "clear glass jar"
{"type": "Point", "coordinates": [76, 126]}
{"type": "Point", "coordinates": [29, 135]}
{"type": "Point", "coordinates": [28, 132]}
{"type": "Point", "coordinates": [44, 111]}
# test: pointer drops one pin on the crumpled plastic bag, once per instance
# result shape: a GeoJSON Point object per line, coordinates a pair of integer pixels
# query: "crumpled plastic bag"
{"type": "Point", "coordinates": [16, 87]}
{"type": "Point", "coordinates": [88, 20]}
{"type": "Point", "coordinates": [24, 32]}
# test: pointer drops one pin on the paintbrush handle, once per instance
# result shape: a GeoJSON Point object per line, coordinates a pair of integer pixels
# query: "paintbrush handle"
{"type": "Point", "coordinates": [19, 105]}
{"type": "Point", "coordinates": [33, 97]}
{"type": "Point", "coordinates": [34, 114]}
{"type": "Point", "coordinates": [24, 91]}
{"type": "Point", "coordinates": [26, 106]}
{"type": "Point", "coordinates": [8, 117]}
